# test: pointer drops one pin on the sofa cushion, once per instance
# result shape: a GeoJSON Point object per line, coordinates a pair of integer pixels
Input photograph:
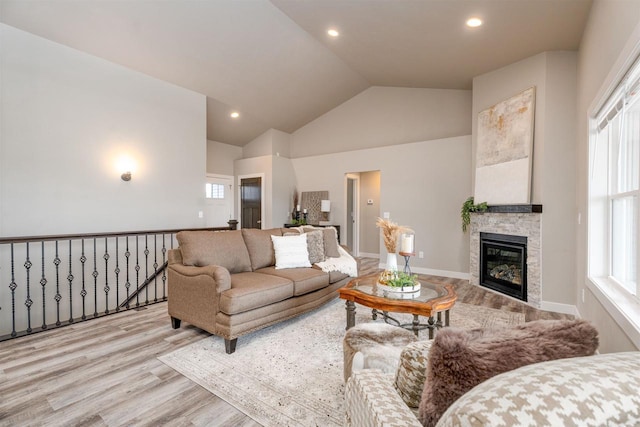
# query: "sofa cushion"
{"type": "Point", "coordinates": [224, 248]}
{"type": "Point", "coordinates": [305, 280]}
{"type": "Point", "coordinates": [291, 251]}
{"type": "Point", "coordinates": [411, 372]}
{"type": "Point", "coordinates": [459, 360]}
{"type": "Point", "coordinates": [260, 246]}
{"type": "Point", "coordinates": [252, 290]}
{"type": "Point", "coordinates": [336, 276]}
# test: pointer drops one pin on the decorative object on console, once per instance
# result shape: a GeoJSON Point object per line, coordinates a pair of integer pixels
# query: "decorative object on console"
{"type": "Point", "coordinates": [325, 208]}
{"type": "Point", "coordinates": [312, 201]}
{"type": "Point", "coordinates": [504, 150]}
{"type": "Point", "coordinates": [296, 206]}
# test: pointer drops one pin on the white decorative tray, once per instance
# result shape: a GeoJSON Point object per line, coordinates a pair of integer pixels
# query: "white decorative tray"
{"type": "Point", "coordinates": [406, 289]}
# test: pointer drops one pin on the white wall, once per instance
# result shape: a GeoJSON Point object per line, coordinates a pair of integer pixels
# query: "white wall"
{"type": "Point", "coordinates": [423, 185]}
{"type": "Point", "coordinates": [220, 157]}
{"type": "Point", "coordinates": [553, 176]}
{"type": "Point", "coordinates": [382, 116]}
{"type": "Point", "coordinates": [270, 142]}
{"type": "Point", "coordinates": [612, 26]}
{"type": "Point", "coordinates": [66, 117]}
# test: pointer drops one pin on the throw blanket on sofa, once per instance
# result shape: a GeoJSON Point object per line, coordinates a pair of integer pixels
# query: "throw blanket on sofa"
{"type": "Point", "coordinates": [344, 264]}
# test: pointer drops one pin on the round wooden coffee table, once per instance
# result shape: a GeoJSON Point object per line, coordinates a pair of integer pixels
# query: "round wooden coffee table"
{"type": "Point", "coordinates": [430, 301]}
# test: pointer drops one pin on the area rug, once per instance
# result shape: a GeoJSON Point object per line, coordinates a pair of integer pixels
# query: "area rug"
{"type": "Point", "coordinates": [290, 374]}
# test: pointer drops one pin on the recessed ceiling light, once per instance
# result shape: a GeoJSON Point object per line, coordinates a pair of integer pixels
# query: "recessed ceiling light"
{"type": "Point", "coordinates": [235, 115]}
{"type": "Point", "coordinates": [474, 22]}
{"type": "Point", "coordinates": [333, 32]}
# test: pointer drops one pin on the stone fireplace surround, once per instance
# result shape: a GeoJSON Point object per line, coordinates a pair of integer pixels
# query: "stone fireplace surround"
{"type": "Point", "coordinates": [515, 220]}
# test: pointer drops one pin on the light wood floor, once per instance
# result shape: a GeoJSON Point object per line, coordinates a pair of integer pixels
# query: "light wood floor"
{"type": "Point", "coordinates": [105, 372]}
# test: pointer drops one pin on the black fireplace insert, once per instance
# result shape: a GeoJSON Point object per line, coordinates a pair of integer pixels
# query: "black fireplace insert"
{"type": "Point", "coordinates": [503, 264]}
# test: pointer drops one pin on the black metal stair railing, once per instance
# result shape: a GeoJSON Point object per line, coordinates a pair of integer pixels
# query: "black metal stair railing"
{"type": "Point", "coordinates": [48, 282]}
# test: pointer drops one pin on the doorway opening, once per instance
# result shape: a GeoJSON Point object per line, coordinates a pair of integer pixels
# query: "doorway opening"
{"type": "Point", "coordinates": [218, 200]}
{"type": "Point", "coordinates": [251, 200]}
{"type": "Point", "coordinates": [352, 236]}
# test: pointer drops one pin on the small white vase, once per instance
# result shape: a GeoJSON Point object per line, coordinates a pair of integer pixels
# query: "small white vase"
{"type": "Point", "coordinates": [392, 262]}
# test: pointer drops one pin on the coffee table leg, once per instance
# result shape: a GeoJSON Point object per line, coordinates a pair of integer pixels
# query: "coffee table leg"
{"type": "Point", "coordinates": [374, 314]}
{"type": "Point", "coordinates": [431, 326]}
{"type": "Point", "coordinates": [351, 314]}
{"type": "Point", "coordinates": [416, 325]}
{"type": "Point", "coordinates": [446, 318]}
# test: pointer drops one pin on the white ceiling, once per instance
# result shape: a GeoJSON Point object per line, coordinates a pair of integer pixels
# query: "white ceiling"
{"type": "Point", "coordinates": [273, 62]}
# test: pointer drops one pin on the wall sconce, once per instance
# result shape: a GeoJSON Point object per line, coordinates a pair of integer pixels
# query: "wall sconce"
{"type": "Point", "coordinates": [125, 165]}
{"type": "Point", "coordinates": [325, 208]}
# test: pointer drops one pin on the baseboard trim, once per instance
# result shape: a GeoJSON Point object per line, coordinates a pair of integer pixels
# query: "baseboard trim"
{"type": "Point", "coordinates": [560, 308]}
{"type": "Point", "coordinates": [434, 272]}
{"type": "Point", "coordinates": [368, 255]}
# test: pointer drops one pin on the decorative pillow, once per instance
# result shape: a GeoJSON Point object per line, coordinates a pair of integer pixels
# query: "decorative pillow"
{"type": "Point", "coordinates": [411, 372]}
{"type": "Point", "coordinates": [224, 248]}
{"type": "Point", "coordinates": [291, 251]}
{"type": "Point", "coordinates": [260, 247]}
{"type": "Point", "coordinates": [459, 360]}
{"type": "Point", "coordinates": [315, 246]}
{"type": "Point", "coordinates": [330, 240]}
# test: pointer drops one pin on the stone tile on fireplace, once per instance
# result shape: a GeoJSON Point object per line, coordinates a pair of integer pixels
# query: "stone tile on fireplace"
{"type": "Point", "coordinates": [528, 225]}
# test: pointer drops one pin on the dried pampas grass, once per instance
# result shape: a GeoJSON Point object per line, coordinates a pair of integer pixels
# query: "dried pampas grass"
{"type": "Point", "coordinates": [390, 233]}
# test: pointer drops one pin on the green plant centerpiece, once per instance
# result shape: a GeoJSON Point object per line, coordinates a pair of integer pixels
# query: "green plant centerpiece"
{"type": "Point", "coordinates": [398, 281]}
{"type": "Point", "coordinates": [467, 207]}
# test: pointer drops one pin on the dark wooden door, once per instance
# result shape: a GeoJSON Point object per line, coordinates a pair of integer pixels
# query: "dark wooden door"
{"type": "Point", "coordinates": [251, 202]}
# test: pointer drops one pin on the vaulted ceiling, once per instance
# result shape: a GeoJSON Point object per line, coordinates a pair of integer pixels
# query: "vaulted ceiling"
{"type": "Point", "coordinates": [273, 62]}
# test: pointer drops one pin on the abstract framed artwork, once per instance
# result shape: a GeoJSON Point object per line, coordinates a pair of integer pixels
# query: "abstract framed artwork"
{"type": "Point", "coordinates": [504, 151]}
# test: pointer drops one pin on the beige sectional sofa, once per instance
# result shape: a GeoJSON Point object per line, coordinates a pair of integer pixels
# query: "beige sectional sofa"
{"type": "Point", "coordinates": [226, 282]}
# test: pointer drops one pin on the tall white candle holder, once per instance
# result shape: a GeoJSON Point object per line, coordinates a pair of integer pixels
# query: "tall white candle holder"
{"type": "Point", "coordinates": [407, 248]}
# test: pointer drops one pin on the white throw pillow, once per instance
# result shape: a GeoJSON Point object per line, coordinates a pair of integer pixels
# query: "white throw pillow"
{"type": "Point", "coordinates": [291, 251]}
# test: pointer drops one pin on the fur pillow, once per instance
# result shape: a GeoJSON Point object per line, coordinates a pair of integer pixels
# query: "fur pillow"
{"type": "Point", "coordinates": [459, 360]}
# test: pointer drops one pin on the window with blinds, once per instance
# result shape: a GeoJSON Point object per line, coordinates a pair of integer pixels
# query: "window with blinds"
{"type": "Point", "coordinates": [615, 185]}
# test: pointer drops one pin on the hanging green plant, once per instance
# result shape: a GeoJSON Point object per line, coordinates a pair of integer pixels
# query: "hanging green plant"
{"type": "Point", "coordinates": [467, 207]}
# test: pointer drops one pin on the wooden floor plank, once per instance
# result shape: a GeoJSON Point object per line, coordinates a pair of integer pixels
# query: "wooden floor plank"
{"type": "Point", "coordinates": [105, 372]}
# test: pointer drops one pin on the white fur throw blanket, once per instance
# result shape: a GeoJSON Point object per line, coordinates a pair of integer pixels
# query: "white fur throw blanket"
{"type": "Point", "coordinates": [344, 264]}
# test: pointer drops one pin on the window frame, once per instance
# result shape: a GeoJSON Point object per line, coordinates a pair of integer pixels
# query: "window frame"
{"type": "Point", "coordinates": [618, 302]}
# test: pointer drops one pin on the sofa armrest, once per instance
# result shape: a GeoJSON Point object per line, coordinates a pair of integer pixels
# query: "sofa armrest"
{"type": "Point", "coordinates": [371, 400]}
{"type": "Point", "coordinates": [194, 292]}
{"type": "Point", "coordinates": [220, 275]}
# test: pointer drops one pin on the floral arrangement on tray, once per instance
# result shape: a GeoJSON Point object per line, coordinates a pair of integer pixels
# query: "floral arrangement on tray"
{"type": "Point", "coordinates": [397, 281]}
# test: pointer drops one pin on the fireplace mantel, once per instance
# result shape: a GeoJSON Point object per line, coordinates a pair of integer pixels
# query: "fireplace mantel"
{"type": "Point", "coordinates": [521, 208]}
